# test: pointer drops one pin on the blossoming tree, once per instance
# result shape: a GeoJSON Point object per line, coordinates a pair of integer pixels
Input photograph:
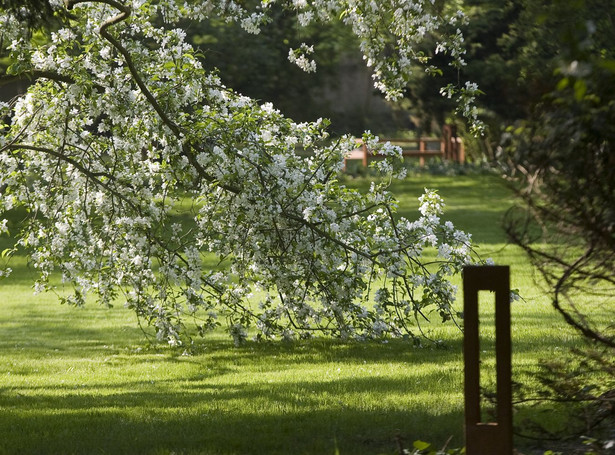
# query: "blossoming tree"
{"type": "Point", "coordinates": [132, 162]}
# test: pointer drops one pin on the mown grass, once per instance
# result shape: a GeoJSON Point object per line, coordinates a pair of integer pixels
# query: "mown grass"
{"type": "Point", "coordinates": [84, 380]}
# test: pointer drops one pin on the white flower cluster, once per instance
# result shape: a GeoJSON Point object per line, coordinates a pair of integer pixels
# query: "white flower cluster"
{"type": "Point", "coordinates": [465, 98]}
{"type": "Point", "coordinates": [133, 162]}
{"type": "Point", "coordinates": [299, 58]}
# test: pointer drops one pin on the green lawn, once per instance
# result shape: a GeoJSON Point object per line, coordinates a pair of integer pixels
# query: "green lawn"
{"type": "Point", "coordinates": [84, 380]}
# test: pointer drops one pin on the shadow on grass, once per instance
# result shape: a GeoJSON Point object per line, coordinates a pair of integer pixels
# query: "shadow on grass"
{"type": "Point", "coordinates": [308, 417]}
{"type": "Point", "coordinates": [255, 399]}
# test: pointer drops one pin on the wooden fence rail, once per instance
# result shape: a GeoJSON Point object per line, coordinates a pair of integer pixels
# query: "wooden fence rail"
{"type": "Point", "coordinates": [449, 147]}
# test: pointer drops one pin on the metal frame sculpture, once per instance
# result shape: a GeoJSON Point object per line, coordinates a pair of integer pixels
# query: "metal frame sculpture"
{"type": "Point", "coordinates": [487, 438]}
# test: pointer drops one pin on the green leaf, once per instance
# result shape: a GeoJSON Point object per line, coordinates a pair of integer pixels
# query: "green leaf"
{"type": "Point", "coordinates": [580, 88]}
{"type": "Point", "coordinates": [421, 445]}
{"type": "Point", "coordinates": [563, 83]}
{"type": "Point", "coordinates": [14, 69]}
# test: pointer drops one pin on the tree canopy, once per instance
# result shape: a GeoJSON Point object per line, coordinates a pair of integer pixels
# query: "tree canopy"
{"type": "Point", "coordinates": [132, 161]}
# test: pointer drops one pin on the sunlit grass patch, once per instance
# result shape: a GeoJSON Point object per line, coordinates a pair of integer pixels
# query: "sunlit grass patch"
{"type": "Point", "coordinates": [85, 380]}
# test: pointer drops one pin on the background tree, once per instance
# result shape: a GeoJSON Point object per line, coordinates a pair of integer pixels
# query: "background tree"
{"type": "Point", "coordinates": [33, 12]}
{"type": "Point", "coordinates": [341, 90]}
{"type": "Point", "coordinates": [564, 156]}
{"type": "Point", "coordinates": [513, 49]}
{"type": "Point", "coordinates": [561, 158]}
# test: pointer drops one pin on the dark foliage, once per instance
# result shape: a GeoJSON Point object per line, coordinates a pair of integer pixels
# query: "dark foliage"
{"type": "Point", "coordinates": [561, 160]}
{"type": "Point", "coordinates": [564, 158]}
{"type": "Point", "coordinates": [257, 66]}
{"type": "Point", "coordinates": [35, 12]}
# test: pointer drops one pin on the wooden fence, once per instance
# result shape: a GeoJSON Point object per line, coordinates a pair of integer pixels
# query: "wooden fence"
{"type": "Point", "coordinates": [449, 147]}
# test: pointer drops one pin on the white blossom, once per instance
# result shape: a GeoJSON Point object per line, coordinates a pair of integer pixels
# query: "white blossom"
{"type": "Point", "coordinates": [136, 135]}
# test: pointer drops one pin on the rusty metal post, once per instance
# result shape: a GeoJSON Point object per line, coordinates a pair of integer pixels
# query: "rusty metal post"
{"type": "Point", "coordinates": [487, 438]}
